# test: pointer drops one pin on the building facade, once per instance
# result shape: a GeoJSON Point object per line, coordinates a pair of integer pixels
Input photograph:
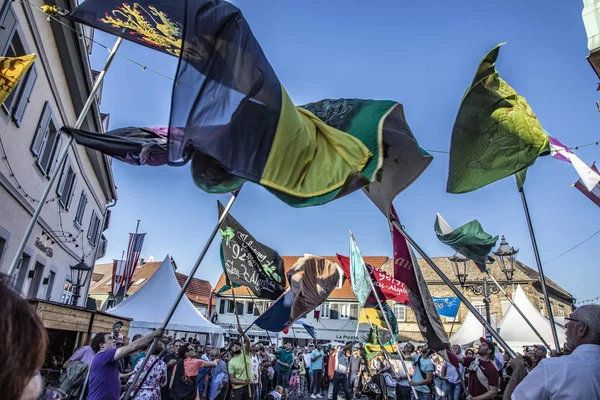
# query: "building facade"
{"type": "Point", "coordinates": [49, 96]}
{"type": "Point", "coordinates": [339, 314]}
{"type": "Point", "coordinates": [591, 21]}
{"type": "Point", "coordinates": [198, 292]}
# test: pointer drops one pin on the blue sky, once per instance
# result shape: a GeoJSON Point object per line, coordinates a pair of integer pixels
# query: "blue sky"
{"type": "Point", "coordinates": [422, 54]}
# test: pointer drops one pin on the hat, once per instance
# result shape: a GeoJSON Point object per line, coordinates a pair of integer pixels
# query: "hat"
{"type": "Point", "coordinates": [489, 343]}
{"type": "Point", "coordinates": [118, 323]}
{"type": "Point", "coordinates": [540, 347]}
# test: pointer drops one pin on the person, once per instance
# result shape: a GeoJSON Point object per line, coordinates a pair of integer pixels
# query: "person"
{"type": "Point", "coordinates": [574, 376]}
{"type": "Point", "coordinates": [342, 371]}
{"type": "Point", "coordinates": [170, 360]}
{"type": "Point", "coordinates": [256, 384]}
{"type": "Point", "coordinates": [377, 363]}
{"type": "Point", "coordinates": [403, 391]}
{"type": "Point", "coordinates": [450, 375]}
{"type": "Point", "coordinates": [152, 379]}
{"type": "Point", "coordinates": [140, 354]}
{"type": "Point", "coordinates": [294, 384]}
{"type": "Point", "coordinates": [356, 368]}
{"type": "Point", "coordinates": [484, 378]}
{"type": "Point", "coordinates": [116, 330]}
{"type": "Point", "coordinates": [285, 358]}
{"type": "Point", "coordinates": [184, 378]}
{"type": "Point", "coordinates": [240, 369]}
{"type": "Point", "coordinates": [330, 371]}
{"type": "Point", "coordinates": [307, 363]}
{"type": "Point", "coordinates": [316, 370]}
{"type": "Point", "coordinates": [520, 367]}
{"type": "Point", "coordinates": [104, 381]}
{"type": "Point", "coordinates": [203, 375]}
{"type": "Point", "coordinates": [84, 354]}
{"type": "Point", "coordinates": [422, 379]}
{"type": "Point", "coordinates": [219, 377]}
{"type": "Point", "coordinates": [303, 387]}
{"type": "Point", "coordinates": [23, 346]}
{"type": "Point", "coordinates": [276, 393]}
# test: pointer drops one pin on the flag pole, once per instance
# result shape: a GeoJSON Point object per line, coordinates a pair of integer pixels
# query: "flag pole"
{"type": "Point", "coordinates": [387, 322]}
{"type": "Point", "coordinates": [127, 281]}
{"type": "Point", "coordinates": [184, 288]}
{"type": "Point", "coordinates": [536, 252]}
{"type": "Point", "coordinates": [518, 309]}
{"type": "Point", "coordinates": [458, 293]}
{"type": "Point", "coordinates": [61, 159]}
{"type": "Point", "coordinates": [123, 271]}
{"type": "Point", "coordinates": [237, 318]}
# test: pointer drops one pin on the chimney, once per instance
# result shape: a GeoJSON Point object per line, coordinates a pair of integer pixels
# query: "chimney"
{"type": "Point", "coordinates": [141, 262]}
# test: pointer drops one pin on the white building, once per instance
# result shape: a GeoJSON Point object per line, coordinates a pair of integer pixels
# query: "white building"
{"type": "Point", "coordinates": [50, 96]}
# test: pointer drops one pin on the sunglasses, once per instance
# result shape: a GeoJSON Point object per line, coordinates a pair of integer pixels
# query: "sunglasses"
{"type": "Point", "coordinates": [569, 319]}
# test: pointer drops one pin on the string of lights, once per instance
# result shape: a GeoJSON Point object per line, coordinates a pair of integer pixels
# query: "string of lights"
{"type": "Point", "coordinates": [595, 299]}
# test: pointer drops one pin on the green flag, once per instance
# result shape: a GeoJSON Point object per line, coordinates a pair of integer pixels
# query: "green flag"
{"type": "Point", "coordinates": [358, 274]}
{"type": "Point", "coordinates": [470, 240]}
{"type": "Point", "coordinates": [496, 134]}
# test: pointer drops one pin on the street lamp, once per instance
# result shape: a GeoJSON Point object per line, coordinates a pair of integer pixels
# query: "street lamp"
{"type": "Point", "coordinates": [461, 267]}
{"type": "Point", "coordinates": [79, 275]}
{"type": "Point", "coordinates": [507, 257]}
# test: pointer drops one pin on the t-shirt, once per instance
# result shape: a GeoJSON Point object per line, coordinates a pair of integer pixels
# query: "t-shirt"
{"type": "Point", "coordinates": [84, 354]}
{"type": "Point", "coordinates": [355, 364]}
{"type": "Point", "coordinates": [425, 365]}
{"type": "Point", "coordinates": [286, 357]}
{"type": "Point", "coordinates": [239, 370]}
{"type": "Point", "coordinates": [307, 360]}
{"type": "Point", "coordinates": [276, 395]}
{"type": "Point", "coordinates": [318, 363]}
{"type": "Point", "coordinates": [255, 368]}
{"type": "Point", "coordinates": [488, 368]}
{"type": "Point", "coordinates": [104, 382]}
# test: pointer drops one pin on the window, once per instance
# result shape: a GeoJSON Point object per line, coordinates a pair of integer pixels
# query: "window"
{"type": "Point", "coordinates": [222, 304]}
{"type": "Point", "coordinates": [51, 277]}
{"type": "Point", "coordinates": [67, 294]}
{"type": "Point", "coordinates": [354, 311]}
{"type": "Point", "coordinates": [12, 45]}
{"type": "Point", "coordinates": [325, 310]}
{"type": "Point", "coordinates": [400, 312]}
{"type": "Point", "coordinates": [541, 305]}
{"type": "Point", "coordinates": [334, 311]}
{"type": "Point", "coordinates": [94, 228]}
{"type": "Point", "coordinates": [344, 311]}
{"type": "Point", "coordinates": [230, 307]}
{"type": "Point", "coordinates": [46, 142]}
{"type": "Point", "coordinates": [2, 247]}
{"type": "Point", "coordinates": [80, 209]}
{"type": "Point", "coordinates": [66, 186]}
{"type": "Point", "coordinates": [249, 308]}
{"type": "Point", "coordinates": [561, 311]}
{"type": "Point", "coordinates": [139, 282]}
{"type": "Point", "coordinates": [480, 307]}
{"type": "Point", "coordinates": [22, 271]}
{"type": "Point", "coordinates": [258, 307]}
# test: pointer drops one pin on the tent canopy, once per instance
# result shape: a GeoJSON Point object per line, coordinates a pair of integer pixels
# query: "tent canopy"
{"type": "Point", "coordinates": [515, 330]}
{"type": "Point", "coordinates": [470, 331]}
{"type": "Point", "coordinates": [151, 303]}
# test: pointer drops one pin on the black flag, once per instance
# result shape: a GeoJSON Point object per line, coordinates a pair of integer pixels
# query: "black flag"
{"type": "Point", "coordinates": [250, 263]}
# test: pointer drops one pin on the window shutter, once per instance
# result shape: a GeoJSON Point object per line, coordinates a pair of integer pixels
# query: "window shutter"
{"type": "Point", "coordinates": [25, 95]}
{"type": "Point", "coordinates": [63, 179]}
{"type": "Point", "coordinates": [57, 149]}
{"type": "Point", "coordinates": [6, 30]}
{"type": "Point", "coordinates": [71, 192]}
{"type": "Point", "coordinates": [222, 306]}
{"type": "Point", "coordinates": [89, 232]}
{"type": "Point", "coordinates": [36, 145]}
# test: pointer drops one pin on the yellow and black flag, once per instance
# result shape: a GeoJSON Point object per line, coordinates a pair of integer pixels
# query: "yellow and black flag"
{"type": "Point", "coordinates": [12, 69]}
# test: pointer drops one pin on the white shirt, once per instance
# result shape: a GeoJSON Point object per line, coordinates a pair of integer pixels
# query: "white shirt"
{"type": "Point", "coordinates": [576, 376]}
{"type": "Point", "coordinates": [307, 359]}
{"type": "Point", "coordinates": [451, 373]}
{"type": "Point", "coordinates": [256, 367]}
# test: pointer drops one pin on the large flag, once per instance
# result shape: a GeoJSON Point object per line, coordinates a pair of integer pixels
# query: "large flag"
{"type": "Point", "coordinates": [12, 69]}
{"type": "Point", "coordinates": [230, 111]}
{"type": "Point", "coordinates": [594, 194]}
{"type": "Point", "coordinates": [588, 176]}
{"type": "Point", "coordinates": [406, 269]}
{"type": "Point", "coordinates": [118, 276]}
{"type": "Point", "coordinates": [374, 317]}
{"type": "Point", "coordinates": [312, 279]}
{"type": "Point", "coordinates": [387, 287]}
{"type": "Point", "coordinates": [358, 274]}
{"type": "Point", "coordinates": [134, 249]}
{"type": "Point", "coordinates": [248, 262]}
{"type": "Point", "coordinates": [470, 240]}
{"type": "Point", "coordinates": [496, 134]}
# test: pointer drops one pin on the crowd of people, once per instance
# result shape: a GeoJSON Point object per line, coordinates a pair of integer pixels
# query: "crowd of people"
{"type": "Point", "coordinates": [185, 370]}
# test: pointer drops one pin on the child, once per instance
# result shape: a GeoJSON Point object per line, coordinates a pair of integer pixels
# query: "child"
{"type": "Point", "coordinates": [303, 387]}
{"type": "Point", "coordinates": [295, 378]}
{"type": "Point", "coordinates": [275, 394]}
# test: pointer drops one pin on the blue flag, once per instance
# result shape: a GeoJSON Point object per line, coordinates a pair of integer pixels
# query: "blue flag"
{"type": "Point", "coordinates": [358, 274]}
{"type": "Point", "coordinates": [447, 306]}
{"type": "Point", "coordinates": [278, 315]}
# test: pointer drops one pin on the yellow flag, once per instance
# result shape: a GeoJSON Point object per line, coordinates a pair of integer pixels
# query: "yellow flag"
{"type": "Point", "coordinates": [372, 316]}
{"type": "Point", "coordinates": [12, 70]}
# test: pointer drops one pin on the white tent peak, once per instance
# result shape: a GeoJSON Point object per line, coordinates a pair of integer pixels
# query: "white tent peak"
{"type": "Point", "coordinates": [151, 303]}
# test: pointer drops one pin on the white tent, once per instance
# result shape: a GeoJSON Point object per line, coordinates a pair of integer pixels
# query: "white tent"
{"type": "Point", "coordinates": [515, 330]}
{"type": "Point", "coordinates": [151, 303]}
{"type": "Point", "coordinates": [470, 331]}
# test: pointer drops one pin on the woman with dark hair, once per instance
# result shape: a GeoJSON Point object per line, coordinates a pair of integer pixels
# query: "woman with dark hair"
{"type": "Point", "coordinates": [184, 385]}
{"type": "Point", "coordinates": [23, 346]}
{"type": "Point", "coordinates": [153, 377]}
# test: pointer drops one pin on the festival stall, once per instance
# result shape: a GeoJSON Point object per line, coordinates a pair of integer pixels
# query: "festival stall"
{"type": "Point", "coordinates": [149, 305]}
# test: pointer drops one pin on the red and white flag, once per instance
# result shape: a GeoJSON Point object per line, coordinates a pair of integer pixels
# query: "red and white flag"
{"type": "Point", "coordinates": [118, 276]}
{"type": "Point", "coordinates": [136, 241]}
{"type": "Point", "coordinates": [589, 176]}
{"type": "Point", "coordinates": [594, 194]}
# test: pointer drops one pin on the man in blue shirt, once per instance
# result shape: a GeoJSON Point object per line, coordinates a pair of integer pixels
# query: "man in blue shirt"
{"type": "Point", "coordinates": [316, 370]}
{"type": "Point", "coordinates": [422, 379]}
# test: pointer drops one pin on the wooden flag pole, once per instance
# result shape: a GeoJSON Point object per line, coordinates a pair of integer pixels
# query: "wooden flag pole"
{"type": "Point", "coordinates": [61, 159]}
{"type": "Point", "coordinates": [536, 253]}
{"type": "Point", "coordinates": [518, 309]}
{"type": "Point", "coordinates": [237, 318]}
{"type": "Point", "coordinates": [387, 322]}
{"type": "Point", "coordinates": [458, 293]}
{"type": "Point", "coordinates": [181, 293]}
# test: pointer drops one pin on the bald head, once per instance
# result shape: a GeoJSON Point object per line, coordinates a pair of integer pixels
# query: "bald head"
{"type": "Point", "coordinates": [583, 326]}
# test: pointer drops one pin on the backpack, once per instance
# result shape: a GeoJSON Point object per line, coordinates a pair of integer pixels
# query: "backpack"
{"type": "Point", "coordinates": [71, 381]}
{"type": "Point", "coordinates": [431, 386]}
